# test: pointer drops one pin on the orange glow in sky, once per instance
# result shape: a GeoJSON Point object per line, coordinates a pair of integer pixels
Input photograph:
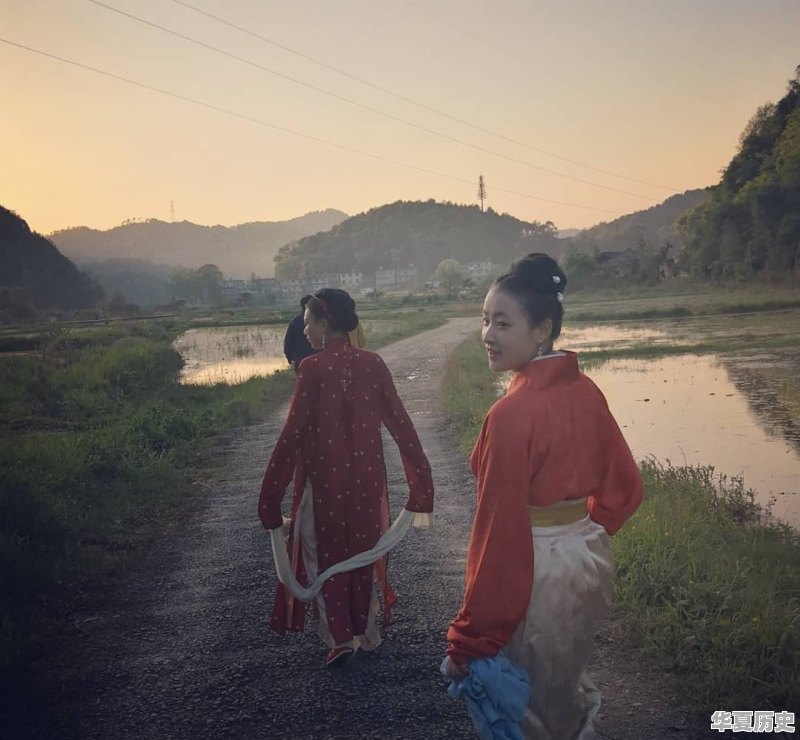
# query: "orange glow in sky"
{"type": "Point", "coordinates": [575, 111]}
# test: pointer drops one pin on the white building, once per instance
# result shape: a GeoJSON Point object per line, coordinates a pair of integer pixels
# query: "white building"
{"type": "Point", "coordinates": [351, 279]}
{"type": "Point", "coordinates": [479, 269]}
{"type": "Point", "coordinates": [390, 277]}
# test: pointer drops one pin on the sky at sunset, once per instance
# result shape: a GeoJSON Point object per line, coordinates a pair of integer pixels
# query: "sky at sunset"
{"type": "Point", "coordinates": [575, 111]}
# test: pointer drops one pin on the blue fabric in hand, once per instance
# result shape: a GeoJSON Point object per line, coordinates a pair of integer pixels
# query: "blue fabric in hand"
{"type": "Point", "coordinates": [497, 692]}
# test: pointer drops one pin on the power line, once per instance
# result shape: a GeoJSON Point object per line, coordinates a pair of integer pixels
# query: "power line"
{"type": "Point", "coordinates": [464, 32]}
{"type": "Point", "coordinates": [369, 108]}
{"type": "Point", "coordinates": [424, 106]}
{"type": "Point", "coordinates": [283, 129]}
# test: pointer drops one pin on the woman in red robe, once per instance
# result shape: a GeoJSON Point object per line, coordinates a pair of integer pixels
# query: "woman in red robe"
{"type": "Point", "coordinates": [331, 446]}
{"type": "Point", "coordinates": [555, 478]}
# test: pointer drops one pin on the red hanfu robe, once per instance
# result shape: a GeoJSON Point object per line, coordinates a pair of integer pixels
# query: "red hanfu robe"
{"type": "Point", "coordinates": [332, 442]}
{"type": "Point", "coordinates": [551, 438]}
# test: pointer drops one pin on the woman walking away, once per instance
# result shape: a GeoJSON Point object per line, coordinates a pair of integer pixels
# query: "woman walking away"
{"type": "Point", "coordinates": [339, 525]}
{"type": "Point", "coordinates": [555, 478]}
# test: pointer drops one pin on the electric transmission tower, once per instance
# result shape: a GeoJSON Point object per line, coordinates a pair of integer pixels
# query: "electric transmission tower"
{"type": "Point", "coordinates": [481, 190]}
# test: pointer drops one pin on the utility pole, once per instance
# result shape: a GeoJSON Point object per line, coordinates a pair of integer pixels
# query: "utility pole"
{"type": "Point", "coordinates": [481, 190]}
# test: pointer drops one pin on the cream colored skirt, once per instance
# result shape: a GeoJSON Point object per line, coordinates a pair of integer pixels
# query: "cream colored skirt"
{"type": "Point", "coordinates": [572, 583]}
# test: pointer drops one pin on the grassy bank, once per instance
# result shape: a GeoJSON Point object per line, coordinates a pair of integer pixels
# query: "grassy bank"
{"type": "Point", "coordinates": [384, 327]}
{"type": "Point", "coordinates": [706, 587]}
{"type": "Point", "coordinates": [97, 440]}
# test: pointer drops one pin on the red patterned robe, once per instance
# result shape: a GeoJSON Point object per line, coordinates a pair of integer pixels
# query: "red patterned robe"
{"type": "Point", "coordinates": [332, 442]}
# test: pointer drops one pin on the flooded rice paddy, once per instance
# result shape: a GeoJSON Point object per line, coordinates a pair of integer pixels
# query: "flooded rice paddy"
{"type": "Point", "coordinates": [738, 412]}
{"type": "Point", "coordinates": [234, 354]}
{"type": "Point", "coordinates": [230, 354]}
{"type": "Point", "coordinates": [719, 410]}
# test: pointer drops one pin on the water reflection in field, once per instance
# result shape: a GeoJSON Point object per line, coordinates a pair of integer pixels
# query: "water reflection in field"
{"type": "Point", "coordinates": [610, 336]}
{"type": "Point", "coordinates": [723, 411]}
{"type": "Point", "coordinates": [230, 354]}
{"type": "Point", "coordinates": [234, 354]}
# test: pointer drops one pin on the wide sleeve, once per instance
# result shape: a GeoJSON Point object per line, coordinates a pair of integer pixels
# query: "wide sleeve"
{"type": "Point", "coordinates": [621, 491]}
{"type": "Point", "coordinates": [500, 554]}
{"type": "Point", "coordinates": [415, 463]}
{"type": "Point", "coordinates": [281, 465]}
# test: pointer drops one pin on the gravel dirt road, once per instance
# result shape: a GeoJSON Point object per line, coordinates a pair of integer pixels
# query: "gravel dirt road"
{"type": "Point", "coordinates": [182, 649]}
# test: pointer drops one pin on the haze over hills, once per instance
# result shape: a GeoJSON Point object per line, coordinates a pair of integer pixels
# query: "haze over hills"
{"type": "Point", "coordinates": [239, 251]}
{"type": "Point", "coordinates": [654, 226]}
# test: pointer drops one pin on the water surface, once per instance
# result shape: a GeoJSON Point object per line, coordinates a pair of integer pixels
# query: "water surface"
{"type": "Point", "coordinates": [711, 410]}
{"type": "Point", "coordinates": [230, 354]}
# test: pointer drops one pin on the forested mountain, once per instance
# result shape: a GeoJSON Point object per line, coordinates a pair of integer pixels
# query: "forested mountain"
{"type": "Point", "coordinates": [422, 233]}
{"type": "Point", "coordinates": [239, 251]}
{"type": "Point", "coordinates": [653, 227]}
{"type": "Point", "coordinates": [751, 224]}
{"type": "Point", "coordinates": [34, 275]}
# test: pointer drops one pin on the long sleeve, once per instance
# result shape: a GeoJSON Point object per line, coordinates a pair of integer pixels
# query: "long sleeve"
{"type": "Point", "coordinates": [281, 465]}
{"type": "Point", "coordinates": [500, 555]}
{"type": "Point", "coordinates": [415, 463]}
{"type": "Point", "coordinates": [621, 489]}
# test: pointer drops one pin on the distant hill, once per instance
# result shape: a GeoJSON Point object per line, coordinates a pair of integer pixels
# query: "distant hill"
{"type": "Point", "coordinates": [751, 224]}
{"type": "Point", "coordinates": [34, 275]}
{"type": "Point", "coordinates": [239, 251]}
{"type": "Point", "coordinates": [422, 233]}
{"type": "Point", "coordinates": [140, 282]}
{"type": "Point", "coordinates": [654, 226]}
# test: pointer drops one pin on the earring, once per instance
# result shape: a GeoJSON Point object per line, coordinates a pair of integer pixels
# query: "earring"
{"type": "Point", "coordinates": [540, 351]}
{"type": "Point", "coordinates": [323, 341]}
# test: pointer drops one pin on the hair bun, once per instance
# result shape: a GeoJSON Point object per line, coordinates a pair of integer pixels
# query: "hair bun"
{"type": "Point", "coordinates": [340, 307]}
{"type": "Point", "coordinates": [541, 273]}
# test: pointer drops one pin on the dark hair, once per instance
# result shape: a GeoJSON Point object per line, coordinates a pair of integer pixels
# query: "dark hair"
{"type": "Point", "coordinates": [304, 301]}
{"type": "Point", "coordinates": [337, 307]}
{"type": "Point", "coordinates": [536, 282]}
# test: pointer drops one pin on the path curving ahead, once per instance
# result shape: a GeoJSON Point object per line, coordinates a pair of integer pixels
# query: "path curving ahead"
{"type": "Point", "coordinates": [185, 652]}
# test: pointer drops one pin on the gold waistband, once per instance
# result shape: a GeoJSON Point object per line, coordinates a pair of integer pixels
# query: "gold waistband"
{"type": "Point", "coordinates": [565, 512]}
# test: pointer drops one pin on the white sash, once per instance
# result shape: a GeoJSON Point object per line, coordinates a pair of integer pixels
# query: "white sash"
{"type": "Point", "coordinates": [390, 538]}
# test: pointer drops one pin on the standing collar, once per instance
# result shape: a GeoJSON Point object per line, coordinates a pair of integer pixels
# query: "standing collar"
{"type": "Point", "coordinates": [542, 372]}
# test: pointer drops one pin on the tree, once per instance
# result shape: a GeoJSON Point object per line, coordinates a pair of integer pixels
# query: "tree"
{"type": "Point", "coordinates": [211, 278]}
{"type": "Point", "coordinates": [751, 224]}
{"type": "Point", "coordinates": [450, 275]}
{"type": "Point", "coordinates": [481, 190]}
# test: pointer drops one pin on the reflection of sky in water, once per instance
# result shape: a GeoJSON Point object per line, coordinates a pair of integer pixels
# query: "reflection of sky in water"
{"type": "Point", "coordinates": [687, 410]}
{"type": "Point", "coordinates": [230, 354]}
{"type": "Point", "coordinates": [232, 371]}
{"type": "Point", "coordinates": [611, 336]}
